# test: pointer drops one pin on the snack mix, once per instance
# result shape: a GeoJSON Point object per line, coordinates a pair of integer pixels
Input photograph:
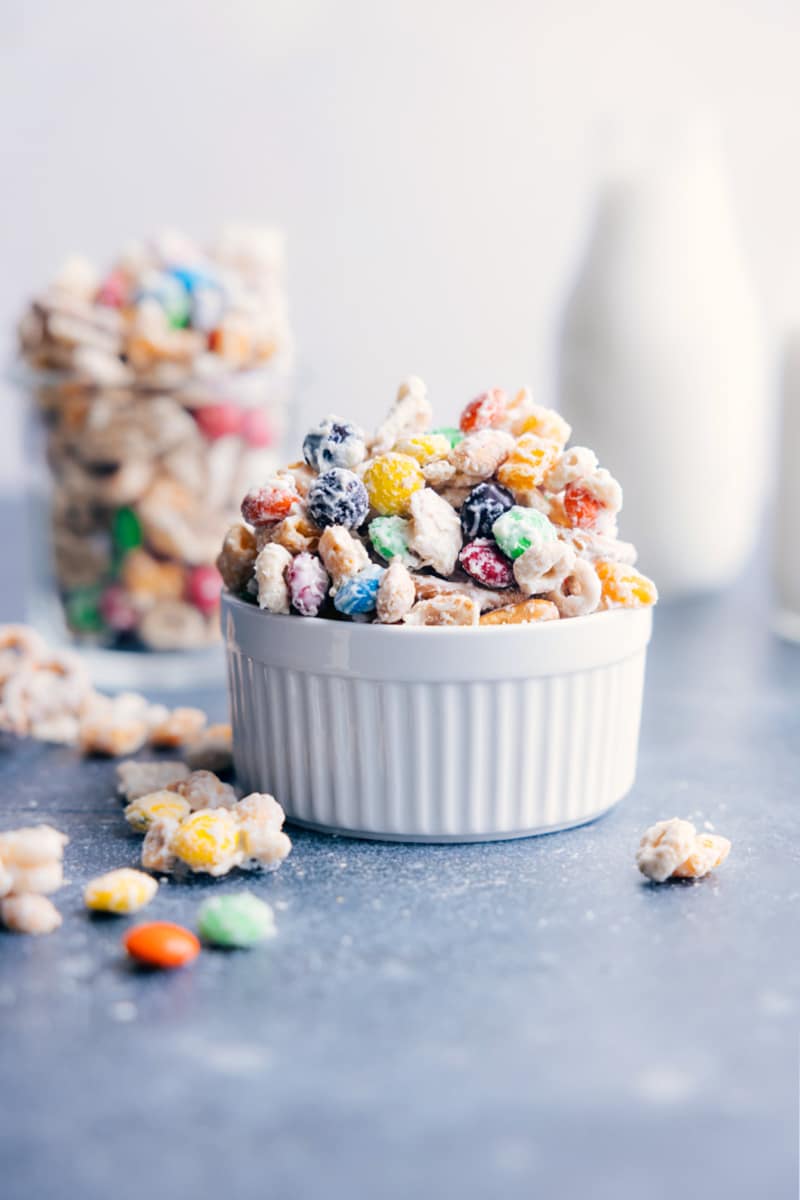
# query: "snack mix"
{"type": "Point", "coordinates": [162, 387]}
{"type": "Point", "coordinates": [494, 523]}
{"type": "Point", "coordinates": [674, 849]}
{"type": "Point", "coordinates": [30, 871]}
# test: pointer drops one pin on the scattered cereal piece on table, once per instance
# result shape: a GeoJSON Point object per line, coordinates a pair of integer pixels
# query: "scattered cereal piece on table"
{"type": "Point", "coordinates": [674, 849]}
{"type": "Point", "coordinates": [180, 726]}
{"type": "Point", "coordinates": [122, 891]}
{"type": "Point", "coordinates": [203, 789]}
{"type": "Point", "coordinates": [162, 944]}
{"type": "Point", "coordinates": [212, 750]}
{"type": "Point", "coordinates": [41, 880]}
{"type": "Point", "coordinates": [208, 841]}
{"type": "Point", "coordinates": [157, 852]}
{"type": "Point", "coordinates": [135, 779]}
{"type": "Point", "coordinates": [144, 810]}
{"type": "Point", "coordinates": [32, 846]}
{"type": "Point", "coordinates": [235, 921]}
{"type": "Point", "coordinates": [29, 914]}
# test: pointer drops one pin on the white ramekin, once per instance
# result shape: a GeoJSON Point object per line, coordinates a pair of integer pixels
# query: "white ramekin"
{"type": "Point", "coordinates": [436, 734]}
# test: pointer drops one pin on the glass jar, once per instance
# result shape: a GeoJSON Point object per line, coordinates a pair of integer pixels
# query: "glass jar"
{"type": "Point", "coordinates": [131, 491]}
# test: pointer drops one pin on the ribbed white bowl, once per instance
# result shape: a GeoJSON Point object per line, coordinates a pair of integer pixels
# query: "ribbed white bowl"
{"type": "Point", "coordinates": [436, 734]}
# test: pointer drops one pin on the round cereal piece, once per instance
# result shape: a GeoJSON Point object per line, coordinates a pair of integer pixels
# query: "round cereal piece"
{"type": "Point", "coordinates": [391, 480]}
{"type": "Point", "coordinates": [526, 613]}
{"type": "Point", "coordinates": [29, 914]}
{"type": "Point", "coordinates": [334, 443]}
{"type": "Point", "coordinates": [359, 593]}
{"type": "Point", "coordinates": [664, 847]}
{"type": "Point", "coordinates": [177, 728]}
{"type": "Point", "coordinates": [479, 455]}
{"type": "Point", "coordinates": [203, 789]}
{"type": "Point", "coordinates": [426, 448]}
{"type": "Point", "coordinates": [579, 593]}
{"type": "Point", "coordinates": [41, 880]}
{"type": "Point", "coordinates": [270, 575]}
{"type": "Point", "coordinates": [486, 411]}
{"type": "Point", "coordinates": [203, 587]}
{"type": "Point", "coordinates": [162, 944]}
{"type": "Point", "coordinates": [517, 529]}
{"type": "Point", "coordinates": [338, 498]}
{"type": "Point", "coordinates": [135, 779]}
{"type": "Point", "coordinates": [544, 567]}
{"type": "Point", "coordinates": [486, 564]}
{"type": "Point", "coordinates": [435, 534]}
{"type": "Point", "coordinates": [173, 625]}
{"type": "Point", "coordinates": [575, 463]}
{"type": "Point", "coordinates": [157, 845]}
{"type": "Point", "coordinates": [32, 846]}
{"type": "Point", "coordinates": [342, 553]}
{"type": "Point", "coordinates": [396, 594]}
{"type": "Point", "coordinates": [270, 501]}
{"type": "Point", "coordinates": [481, 508]}
{"type": "Point", "coordinates": [389, 537]}
{"type": "Point", "coordinates": [121, 891]}
{"type": "Point", "coordinates": [237, 557]}
{"type": "Point", "coordinates": [19, 646]}
{"type": "Point", "coordinates": [235, 921]}
{"type": "Point", "coordinates": [545, 423]}
{"type": "Point", "coordinates": [592, 502]}
{"type": "Point", "coordinates": [308, 583]}
{"type": "Point", "coordinates": [144, 810]}
{"type": "Point", "coordinates": [623, 587]}
{"type": "Point", "coordinates": [446, 609]}
{"type": "Point", "coordinates": [212, 750]}
{"type": "Point", "coordinates": [528, 463]}
{"type": "Point", "coordinates": [208, 841]}
{"type": "Point", "coordinates": [709, 851]}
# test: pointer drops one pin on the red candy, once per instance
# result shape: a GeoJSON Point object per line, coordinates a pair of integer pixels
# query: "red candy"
{"type": "Point", "coordinates": [270, 502]}
{"type": "Point", "coordinates": [203, 588]}
{"type": "Point", "coordinates": [117, 610]}
{"type": "Point", "coordinates": [219, 420]}
{"type": "Point", "coordinates": [257, 428]}
{"type": "Point", "coordinates": [581, 506]}
{"type": "Point", "coordinates": [113, 290]}
{"type": "Point", "coordinates": [486, 564]}
{"type": "Point", "coordinates": [485, 411]}
{"type": "Point", "coordinates": [162, 944]}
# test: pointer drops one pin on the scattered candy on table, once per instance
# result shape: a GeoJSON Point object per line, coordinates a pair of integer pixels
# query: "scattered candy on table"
{"type": "Point", "coordinates": [674, 849]}
{"type": "Point", "coordinates": [496, 523]}
{"type": "Point", "coordinates": [122, 891]}
{"type": "Point", "coordinates": [161, 944]}
{"type": "Point", "coordinates": [237, 920]}
{"type": "Point", "coordinates": [163, 386]}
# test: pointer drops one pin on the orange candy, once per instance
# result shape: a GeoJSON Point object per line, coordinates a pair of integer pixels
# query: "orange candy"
{"type": "Point", "coordinates": [162, 944]}
{"type": "Point", "coordinates": [484, 412]}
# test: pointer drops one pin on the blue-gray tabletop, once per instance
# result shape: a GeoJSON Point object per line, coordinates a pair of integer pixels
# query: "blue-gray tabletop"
{"type": "Point", "coordinates": [517, 1019]}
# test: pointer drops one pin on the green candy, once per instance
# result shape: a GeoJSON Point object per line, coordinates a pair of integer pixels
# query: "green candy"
{"type": "Point", "coordinates": [389, 536]}
{"type": "Point", "coordinates": [83, 610]}
{"type": "Point", "coordinates": [454, 436]}
{"type": "Point", "coordinates": [127, 530]}
{"type": "Point", "coordinates": [235, 920]}
{"type": "Point", "coordinates": [517, 529]}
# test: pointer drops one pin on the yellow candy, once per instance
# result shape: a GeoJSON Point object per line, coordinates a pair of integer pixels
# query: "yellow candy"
{"type": "Point", "coordinates": [624, 587]}
{"type": "Point", "coordinates": [122, 891]}
{"type": "Point", "coordinates": [425, 448]}
{"type": "Point", "coordinates": [141, 812]}
{"type": "Point", "coordinates": [391, 480]}
{"type": "Point", "coordinates": [528, 464]}
{"type": "Point", "coordinates": [208, 840]}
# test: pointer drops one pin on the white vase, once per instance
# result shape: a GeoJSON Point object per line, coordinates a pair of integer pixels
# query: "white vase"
{"type": "Point", "coordinates": [662, 368]}
{"type": "Point", "coordinates": [786, 547]}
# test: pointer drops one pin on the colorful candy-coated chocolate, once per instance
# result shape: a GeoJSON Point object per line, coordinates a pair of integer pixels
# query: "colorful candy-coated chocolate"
{"type": "Point", "coordinates": [308, 584]}
{"type": "Point", "coordinates": [486, 564]}
{"type": "Point", "coordinates": [334, 443]}
{"type": "Point", "coordinates": [113, 291]}
{"type": "Point", "coordinates": [203, 587]}
{"type": "Point", "coordinates": [126, 530]}
{"type": "Point", "coordinates": [162, 944]}
{"type": "Point", "coordinates": [581, 505]}
{"type": "Point", "coordinates": [338, 498]}
{"type": "Point", "coordinates": [454, 436]}
{"type": "Point", "coordinates": [486, 411]}
{"type": "Point", "coordinates": [391, 480]}
{"type": "Point", "coordinates": [117, 610]}
{"type": "Point", "coordinates": [389, 537]}
{"type": "Point", "coordinates": [171, 294]}
{"type": "Point", "coordinates": [218, 420]}
{"type": "Point", "coordinates": [519, 528]}
{"type": "Point", "coordinates": [359, 593]}
{"type": "Point", "coordinates": [257, 428]}
{"type": "Point", "coordinates": [83, 610]}
{"type": "Point", "coordinates": [235, 921]}
{"type": "Point", "coordinates": [271, 501]}
{"type": "Point", "coordinates": [482, 507]}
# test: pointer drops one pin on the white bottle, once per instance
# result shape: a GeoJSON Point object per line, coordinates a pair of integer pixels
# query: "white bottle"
{"type": "Point", "coordinates": [786, 548]}
{"type": "Point", "coordinates": [662, 368]}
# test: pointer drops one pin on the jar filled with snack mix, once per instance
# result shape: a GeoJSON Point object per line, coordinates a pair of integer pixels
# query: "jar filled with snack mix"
{"type": "Point", "coordinates": [159, 392]}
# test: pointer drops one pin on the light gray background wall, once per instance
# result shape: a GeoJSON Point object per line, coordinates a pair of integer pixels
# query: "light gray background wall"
{"type": "Point", "coordinates": [432, 161]}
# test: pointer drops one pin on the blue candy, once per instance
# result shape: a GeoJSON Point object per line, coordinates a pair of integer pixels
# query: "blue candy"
{"type": "Point", "coordinates": [334, 443]}
{"type": "Point", "coordinates": [359, 593]}
{"type": "Point", "coordinates": [482, 507]}
{"type": "Point", "coordinates": [171, 294]}
{"type": "Point", "coordinates": [338, 498]}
